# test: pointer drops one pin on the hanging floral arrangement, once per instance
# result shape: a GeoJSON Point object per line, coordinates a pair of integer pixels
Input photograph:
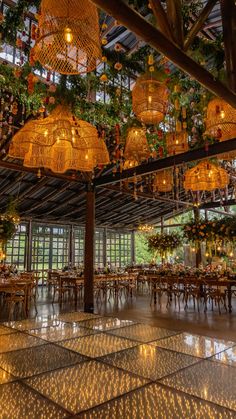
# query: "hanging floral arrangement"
{"type": "Point", "coordinates": [213, 231]}
{"type": "Point", "coordinates": [164, 243]}
{"type": "Point", "coordinates": [8, 222]}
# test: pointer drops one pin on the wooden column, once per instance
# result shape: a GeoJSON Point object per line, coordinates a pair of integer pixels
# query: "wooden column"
{"type": "Point", "coordinates": [29, 247]}
{"type": "Point", "coordinates": [228, 11]}
{"type": "Point", "coordinates": [196, 212]}
{"type": "Point", "coordinates": [89, 250]}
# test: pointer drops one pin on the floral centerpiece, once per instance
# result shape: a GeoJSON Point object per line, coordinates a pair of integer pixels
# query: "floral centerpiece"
{"type": "Point", "coordinates": [163, 243]}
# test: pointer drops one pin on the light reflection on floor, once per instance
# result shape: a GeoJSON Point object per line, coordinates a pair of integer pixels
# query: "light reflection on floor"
{"type": "Point", "coordinates": [101, 367]}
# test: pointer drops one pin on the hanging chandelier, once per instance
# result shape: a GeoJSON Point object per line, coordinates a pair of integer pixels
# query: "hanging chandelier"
{"type": "Point", "coordinates": [205, 176]}
{"type": "Point", "coordinates": [163, 181]}
{"type": "Point", "coordinates": [145, 228]}
{"type": "Point", "coordinates": [176, 142]}
{"type": "Point", "coordinates": [68, 36]}
{"type": "Point", "coordinates": [150, 99]}
{"type": "Point", "coordinates": [220, 120]}
{"type": "Point", "coordinates": [136, 147]}
{"type": "Point", "coordinates": [59, 142]}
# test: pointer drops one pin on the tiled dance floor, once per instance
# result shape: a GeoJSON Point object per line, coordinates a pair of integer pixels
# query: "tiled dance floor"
{"type": "Point", "coordinates": [83, 365]}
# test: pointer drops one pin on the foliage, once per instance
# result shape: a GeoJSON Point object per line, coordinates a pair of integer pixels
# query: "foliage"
{"type": "Point", "coordinates": [223, 229]}
{"type": "Point", "coordinates": [142, 252]}
{"type": "Point", "coordinates": [164, 242]}
{"type": "Point", "coordinates": [7, 229]}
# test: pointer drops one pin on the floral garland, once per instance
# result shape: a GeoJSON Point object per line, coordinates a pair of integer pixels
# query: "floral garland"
{"type": "Point", "coordinates": [163, 243]}
{"type": "Point", "coordinates": [211, 231]}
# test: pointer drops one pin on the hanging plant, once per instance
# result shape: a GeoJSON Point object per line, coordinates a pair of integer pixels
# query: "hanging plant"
{"type": "Point", "coordinates": [164, 243]}
{"type": "Point", "coordinates": [211, 231]}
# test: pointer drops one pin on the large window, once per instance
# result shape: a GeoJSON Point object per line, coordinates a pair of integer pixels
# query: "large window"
{"type": "Point", "coordinates": [79, 245]}
{"type": "Point", "coordinates": [99, 248]}
{"type": "Point", "coordinates": [16, 248]}
{"type": "Point", "coordinates": [50, 247]}
{"type": "Point", "coordinates": [118, 249]}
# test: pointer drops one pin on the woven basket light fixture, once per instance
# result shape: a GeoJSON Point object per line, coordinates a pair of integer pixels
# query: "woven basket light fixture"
{"type": "Point", "coordinates": [163, 181]}
{"type": "Point", "coordinates": [150, 99]}
{"type": "Point", "coordinates": [205, 176]}
{"type": "Point", "coordinates": [177, 142]}
{"type": "Point", "coordinates": [68, 40]}
{"type": "Point", "coordinates": [220, 120]}
{"type": "Point", "coordinates": [136, 147]}
{"type": "Point", "coordinates": [59, 142]}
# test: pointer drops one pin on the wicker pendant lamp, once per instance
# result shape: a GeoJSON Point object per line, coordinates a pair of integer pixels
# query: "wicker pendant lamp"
{"type": "Point", "coordinates": [163, 181]}
{"type": "Point", "coordinates": [220, 120]}
{"type": "Point", "coordinates": [205, 176]}
{"type": "Point", "coordinates": [136, 147]}
{"type": "Point", "coordinates": [177, 142]}
{"type": "Point", "coordinates": [68, 40]}
{"type": "Point", "coordinates": [59, 142]}
{"type": "Point", "coordinates": [150, 99]}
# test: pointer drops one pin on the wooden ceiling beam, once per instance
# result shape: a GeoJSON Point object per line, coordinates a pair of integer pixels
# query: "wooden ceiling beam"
{"type": "Point", "coordinates": [154, 37]}
{"type": "Point", "coordinates": [20, 168]}
{"type": "Point", "coordinates": [167, 162]}
{"type": "Point", "coordinates": [175, 18]}
{"type": "Point", "coordinates": [198, 24]}
{"type": "Point", "coordinates": [161, 18]}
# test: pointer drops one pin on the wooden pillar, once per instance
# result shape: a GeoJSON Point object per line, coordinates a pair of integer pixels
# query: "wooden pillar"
{"type": "Point", "coordinates": [196, 212]}
{"type": "Point", "coordinates": [89, 250]}
{"type": "Point", "coordinates": [228, 11]}
{"type": "Point", "coordinates": [29, 247]}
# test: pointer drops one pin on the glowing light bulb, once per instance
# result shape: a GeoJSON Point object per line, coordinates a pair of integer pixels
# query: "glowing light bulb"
{"type": "Point", "coordinates": [218, 248]}
{"type": "Point", "coordinates": [207, 254]}
{"type": "Point", "coordinates": [177, 142]}
{"type": "Point", "coordinates": [68, 35]}
{"type": "Point", "coordinates": [136, 132]}
{"type": "Point", "coordinates": [149, 99]}
{"type": "Point", "coordinates": [231, 254]}
{"type": "Point", "coordinates": [164, 182]}
{"type": "Point", "coordinates": [73, 139]}
{"type": "Point", "coordinates": [222, 114]}
{"type": "Point", "coordinates": [46, 133]}
{"type": "Point", "coordinates": [86, 156]}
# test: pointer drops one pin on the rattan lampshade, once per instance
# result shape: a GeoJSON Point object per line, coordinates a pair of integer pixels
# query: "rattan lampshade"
{"type": "Point", "coordinates": [150, 99]}
{"type": "Point", "coordinates": [59, 142]}
{"type": "Point", "coordinates": [205, 176]}
{"type": "Point", "coordinates": [136, 147]}
{"type": "Point", "coordinates": [163, 181]}
{"type": "Point", "coordinates": [220, 120]}
{"type": "Point", "coordinates": [68, 40]}
{"type": "Point", "coordinates": [177, 142]}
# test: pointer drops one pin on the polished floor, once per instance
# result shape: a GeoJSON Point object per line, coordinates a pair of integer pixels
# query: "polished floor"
{"type": "Point", "coordinates": [83, 365]}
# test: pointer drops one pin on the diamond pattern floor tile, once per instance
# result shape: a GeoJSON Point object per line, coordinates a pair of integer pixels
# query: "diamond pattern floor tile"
{"type": "Point", "coordinates": [5, 377]}
{"type": "Point", "coordinates": [227, 357]}
{"type": "Point", "coordinates": [106, 323]}
{"type": "Point", "coordinates": [61, 332]}
{"type": "Point", "coordinates": [5, 330]}
{"type": "Point", "coordinates": [208, 380]}
{"type": "Point", "coordinates": [36, 323]}
{"type": "Point", "coordinates": [150, 362]}
{"type": "Point", "coordinates": [143, 332]}
{"type": "Point", "coordinates": [154, 401]}
{"type": "Point", "coordinates": [18, 340]}
{"type": "Point", "coordinates": [31, 361]}
{"type": "Point", "coordinates": [85, 385]}
{"type": "Point", "coordinates": [195, 345]}
{"type": "Point", "coordinates": [18, 401]}
{"type": "Point", "coordinates": [76, 316]}
{"type": "Point", "coordinates": [98, 345]}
